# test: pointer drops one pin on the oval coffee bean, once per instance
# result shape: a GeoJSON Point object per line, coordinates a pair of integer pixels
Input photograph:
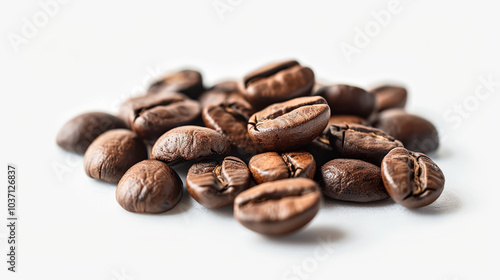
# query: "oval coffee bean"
{"type": "Point", "coordinates": [348, 100]}
{"type": "Point", "coordinates": [112, 154]}
{"type": "Point", "coordinates": [215, 185]}
{"type": "Point", "coordinates": [272, 166]}
{"type": "Point", "coordinates": [78, 133]}
{"type": "Point", "coordinates": [277, 82]}
{"type": "Point", "coordinates": [186, 81]}
{"type": "Point", "coordinates": [152, 115]}
{"type": "Point", "coordinates": [149, 186]}
{"type": "Point", "coordinates": [361, 142]}
{"type": "Point", "coordinates": [289, 125]}
{"type": "Point", "coordinates": [189, 142]}
{"type": "Point", "coordinates": [279, 207]}
{"type": "Point", "coordinates": [352, 180]}
{"type": "Point", "coordinates": [411, 179]}
{"type": "Point", "coordinates": [416, 133]}
{"type": "Point", "coordinates": [389, 97]}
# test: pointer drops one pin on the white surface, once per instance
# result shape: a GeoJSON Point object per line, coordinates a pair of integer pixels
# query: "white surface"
{"type": "Point", "coordinates": [93, 54]}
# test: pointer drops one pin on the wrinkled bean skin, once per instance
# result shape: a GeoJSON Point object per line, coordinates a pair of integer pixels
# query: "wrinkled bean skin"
{"type": "Point", "coordinates": [289, 125]}
{"type": "Point", "coordinates": [279, 207]}
{"type": "Point", "coordinates": [189, 142]}
{"type": "Point", "coordinates": [185, 81]}
{"type": "Point", "coordinates": [411, 179]}
{"type": "Point", "coordinates": [112, 154]}
{"type": "Point", "coordinates": [272, 166]}
{"type": "Point", "coordinates": [348, 100]}
{"type": "Point", "coordinates": [389, 97]}
{"type": "Point", "coordinates": [215, 185]}
{"type": "Point", "coordinates": [352, 180]}
{"type": "Point", "coordinates": [78, 133]}
{"type": "Point", "coordinates": [277, 82]}
{"type": "Point", "coordinates": [149, 186]}
{"type": "Point", "coordinates": [416, 133]}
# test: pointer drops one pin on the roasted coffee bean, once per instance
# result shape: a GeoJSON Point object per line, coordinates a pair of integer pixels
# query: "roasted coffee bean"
{"type": "Point", "coordinates": [279, 207]}
{"type": "Point", "coordinates": [214, 184]}
{"type": "Point", "coordinates": [226, 86]}
{"type": "Point", "coordinates": [77, 134]}
{"type": "Point", "coordinates": [272, 166]}
{"type": "Point", "coordinates": [216, 97]}
{"type": "Point", "coordinates": [149, 186]}
{"type": "Point", "coordinates": [186, 81]}
{"type": "Point", "coordinates": [411, 179]}
{"type": "Point", "coordinates": [189, 142]}
{"type": "Point", "coordinates": [277, 82]}
{"type": "Point", "coordinates": [152, 115]}
{"type": "Point", "coordinates": [389, 97]}
{"type": "Point", "coordinates": [352, 180]}
{"type": "Point", "coordinates": [361, 142]}
{"type": "Point", "coordinates": [289, 125]}
{"type": "Point", "coordinates": [348, 119]}
{"type": "Point", "coordinates": [348, 100]}
{"type": "Point", "coordinates": [112, 154]}
{"type": "Point", "coordinates": [416, 133]}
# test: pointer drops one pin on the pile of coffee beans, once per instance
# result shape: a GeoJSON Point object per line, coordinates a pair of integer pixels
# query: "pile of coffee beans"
{"type": "Point", "coordinates": [270, 145]}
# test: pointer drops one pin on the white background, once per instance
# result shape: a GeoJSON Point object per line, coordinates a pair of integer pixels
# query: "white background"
{"type": "Point", "coordinates": [91, 55]}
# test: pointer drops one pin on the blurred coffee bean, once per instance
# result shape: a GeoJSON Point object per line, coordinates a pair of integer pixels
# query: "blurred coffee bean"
{"type": "Point", "coordinates": [348, 100]}
{"type": "Point", "coordinates": [389, 97]}
{"type": "Point", "coordinates": [186, 81]}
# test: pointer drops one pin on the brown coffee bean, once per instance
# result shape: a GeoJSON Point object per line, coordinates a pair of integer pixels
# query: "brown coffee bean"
{"type": "Point", "coordinates": [352, 180]}
{"type": "Point", "coordinates": [279, 207]}
{"type": "Point", "coordinates": [189, 142]}
{"type": "Point", "coordinates": [348, 119]}
{"type": "Point", "coordinates": [272, 166]}
{"type": "Point", "coordinates": [152, 115]}
{"type": "Point", "coordinates": [214, 184]}
{"type": "Point", "coordinates": [186, 81]}
{"type": "Point", "coordinates": [77, 134]}
{"type": "Point", "coordinates": [277, 82]}
{"type": "Point", "coordinates": [149, 186]}
{"type": "Point", "coordinates": [289, 125]}
{"type": "Point", "coordinates": [112, 154]}
{"type": "Point", "coordinates": [411, 179]}
{"type": "Point", "coordinates": [348, 100]}
{"type": "Point", "coordinates": [389, 97]}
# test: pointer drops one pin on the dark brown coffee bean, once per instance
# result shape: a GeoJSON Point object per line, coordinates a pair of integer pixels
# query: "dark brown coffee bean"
{"type": "Point", "coordinates": [149, 186]}
{"type": "Point", "coordinates": [277, 82]}
{"type": "Point", "coordinates": [152, 115]}
{"type": "Point", "coordinates": [215, 185]}
{"type": "Point", "coordinates": [416, 133]}
{"type": "Point", "coordinates": [112, 154]}
{"type": "Point", "coordinates": [389, 97]}
{"type": "Point", "coordinates": [186, 81]}
{"type": "Point", "coordinates": [411, 179]}
{"type": "Point", "coordinates": [289, 125]}
{"type": "Point", "coordinates": [231, 119]}
{"type": "Point", "coordinates": [361, 142]}
{"type": "Point", "coordinates": [77, 134]}
{"type": "Point", "coordinates": [189, 142]}
{"type": "Point", "coordinates": [348, 100]}
{"type": "Point", "coordinates": [272, 166]}
{"type": "Point", "coordinates": [279, 207]}
{"type": "Point", "coordinates": [352, 180]}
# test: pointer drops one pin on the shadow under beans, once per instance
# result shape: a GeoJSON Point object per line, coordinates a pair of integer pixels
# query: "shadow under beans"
{"type": "Point", "coordinates": [331, 203]}
{"type": "Point", "coordinates": [447, 203]}
{"type": "Point", "coordinates": [226, 212]}
{"type": "Point", "coordinates": [309, 236]}
{"type": "Point", "coordinates": [183, 206]}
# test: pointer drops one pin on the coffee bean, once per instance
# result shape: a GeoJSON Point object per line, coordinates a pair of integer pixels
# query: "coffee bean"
{"type": "Point", "coordinates": [389, 97]}
{"type": "Point", "coordinates": [416, 133]}
{"type": "Point", "coordinates": [149, 186]}
{"type": "Point", "coordinates": [352, 180]}
{"type": "Point", "coordinates": [348, 100]}
{"type": "Point", "coordinates": [289, 125]}
{"type": "Point", "coordinates": [214, 184]}
{"type": "Point", "coordinates": [226, 86]}
{"type": "Point", "coordinates": [189, 142]}
{"type": "Point", "coordinates": [272, 166]}
{"type": "Point", "coordinates": [186, 81]}
{"type": "Point", "coordinates": [152, 115]}
{"type": "Point", "coordinates": [279, 207]}
{"type": "Point", "coordinates": [361, 142]}
{"type": "Point", "coordinates": [411, 179]}
{"type": "Point", "coordinates": [112, 154]}
{"type": "Point", "coordinates": [348, 119]}
{"type": "Point", "coordinates": [277, 82]}
{"type": "Point", "coordinates": [216, 97]}
{"type": "Point", "coordinates": [77, 134]}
